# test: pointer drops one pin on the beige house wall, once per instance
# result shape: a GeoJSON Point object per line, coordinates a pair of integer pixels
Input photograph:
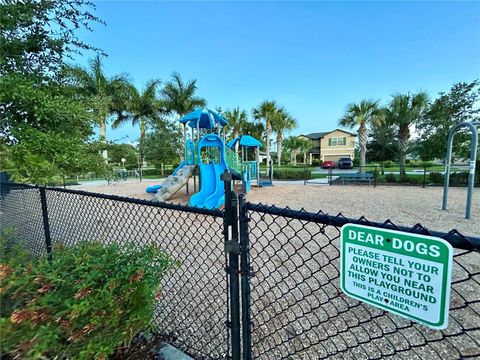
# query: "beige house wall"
{"type": "Point", "coordinates": [347, 150]}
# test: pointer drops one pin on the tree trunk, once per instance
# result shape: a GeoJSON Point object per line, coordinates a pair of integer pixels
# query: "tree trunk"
{"type": "Point", "coordinates": [267, 142]}
{"type": "Point", "coordinates": [362, 136]}
{"type": "Point", "coordinates": [142, 140]}
{"type": "Point", "coordinates": [279, 148]}
{"type": "Point", "coordinates": [235, 135]}
{"type": "Point", "coordinates": [103, 137]}
{"type": "Point", "coordinates": [403, 139]}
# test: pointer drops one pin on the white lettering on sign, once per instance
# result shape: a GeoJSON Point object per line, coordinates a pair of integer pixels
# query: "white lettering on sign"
{"type": "Point", "coordinates": [404, 273]}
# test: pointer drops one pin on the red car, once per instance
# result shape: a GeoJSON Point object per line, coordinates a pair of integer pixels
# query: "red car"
{"type": "Point", "coordinates": [328, 164]}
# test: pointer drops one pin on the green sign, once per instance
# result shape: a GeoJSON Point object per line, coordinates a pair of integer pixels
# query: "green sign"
{"type": "Point", "coordinates": [405, 274]}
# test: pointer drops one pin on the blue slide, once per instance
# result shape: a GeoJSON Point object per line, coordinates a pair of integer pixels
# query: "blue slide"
{"type": "Point", "coordinates": [154, 188]}
{"type": "Point", "coordinates": [212, 192]}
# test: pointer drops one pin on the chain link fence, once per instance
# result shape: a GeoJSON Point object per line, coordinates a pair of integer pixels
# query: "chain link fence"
{"type": "Point", "coordinates": [193, 308]}
{"type": "Point", "coordinates": [270, 274]}
{"type": "Point", "coordinates": [299, 312]}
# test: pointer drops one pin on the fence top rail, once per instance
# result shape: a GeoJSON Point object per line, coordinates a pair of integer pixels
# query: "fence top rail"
{"type": "Point", "coordinates": [454, 237]}
{"type": "Point", "coordinates": [163, 205]}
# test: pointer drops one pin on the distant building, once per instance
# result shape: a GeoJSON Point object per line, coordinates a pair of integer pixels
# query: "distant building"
{"type": "Point", "coordinates": [330, 145]}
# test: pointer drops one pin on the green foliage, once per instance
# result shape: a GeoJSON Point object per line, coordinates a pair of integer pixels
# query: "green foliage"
{"type": "Point", "coordinates": [42, 157]}
{"type": "Point", "coordinates": [36, 36]}
{"type": "Point", "coordinates": [179, 96]}
{"type": "Point", "coordinates": [436, 177]}
{"type": "Point", "coordinates": [382, 145]}
{"type": "Point", "coordinates": [44, 126]}
{"type": "Point", "coordinates": [163, 143]}
{"type": "Point", "coordinates": [291, 174]}
{"type": "Point", "coordinates": [91, 299]}
{"type": "Point", "coordinates": [391, 178]}
{"type": "Point", "coordinates": [117, 152]}
{"type": "Point", "coordinates": [316, 162]}
{"type": "Point", "coordinates": [458, 105]}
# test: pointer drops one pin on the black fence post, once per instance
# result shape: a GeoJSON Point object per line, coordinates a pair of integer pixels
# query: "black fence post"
{"type": "Point", "coordinates": [424, 175]}
{"type": "Point", "coordinates": [46, 225]}
{"type": "Point", "coordinates": [246, 274]}
{"type": "Point", "coordinates": [232, 248]}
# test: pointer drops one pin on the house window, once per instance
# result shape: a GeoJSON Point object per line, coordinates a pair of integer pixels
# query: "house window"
{"type": "Point", "coordinates": [337, 141]}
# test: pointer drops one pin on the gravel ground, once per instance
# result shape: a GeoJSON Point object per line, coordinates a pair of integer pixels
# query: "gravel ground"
{"type": "Point", "coordinates": [298, 310]}
{"type": "Point", "coordinates": [404, 205]}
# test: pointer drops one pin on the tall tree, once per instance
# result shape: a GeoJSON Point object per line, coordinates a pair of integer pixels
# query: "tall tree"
{"type": "Point", "coordinates": [282, 121]}
{"type": "Point", "coordinates": [109, 95]}
{"type": "Point", "coordinates": [382, 145]}
{"type": "Point", "coordinates": [264, 113]}
{"type": "Point", "coordinates": [460, 104]}
{"type": "Point", "coordinates": [43, 127]}
{"type": "Point", "coordinates": [179, 96]}
{"type": "Point", "coordinates": [142, 107]}
{"type": "Point", "coordinates": [404, 111]}
{"type": "Point", "coordinates": [163, 142]}
{"type": "Point", "coordinates": [236, 120]}
{"type": "Point", "coordinates": [297, 146]}
{"type": "Point", "coordinates": [363, 114]}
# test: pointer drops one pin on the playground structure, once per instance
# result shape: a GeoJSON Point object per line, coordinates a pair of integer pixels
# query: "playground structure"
{"type": "Point", "coordinates": [206, 150]}
{"type": "Point", "coordinates": [473, 127]}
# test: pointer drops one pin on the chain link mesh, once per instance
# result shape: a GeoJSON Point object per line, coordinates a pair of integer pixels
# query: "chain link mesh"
{"type": "Point", "coordinates": [299, 312]}
{"type": "Point", "coordinates": [193, 307]}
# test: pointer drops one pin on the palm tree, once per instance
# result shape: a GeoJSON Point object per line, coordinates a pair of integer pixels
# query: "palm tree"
{"type": "Point", "coordinates": [404, 111]}
{"type": "Point", "coordinates": [296, 146]}
{"type": "Point", "coordinates": [109, 94]}
{"type": "Point", "coordinates": [142, 107]}
{"type": "Point", "coordinates": [281, 122]}
{"type": "Point", "coordinates": [363, 114]}
{"type": "Point", "coordinates": [265, 112]}
{"type": "Point", "coordinates": [236, 120]}
{"type": "Point", "coordinates": [179, 96]}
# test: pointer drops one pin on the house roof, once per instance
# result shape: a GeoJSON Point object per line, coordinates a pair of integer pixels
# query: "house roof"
{"type": "Point", "coordinates": [319, 135]}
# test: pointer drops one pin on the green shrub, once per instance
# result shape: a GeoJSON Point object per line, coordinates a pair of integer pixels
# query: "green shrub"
{"type": "Point", "coordinates": [390, 178]}
{"type": "Point", "coordinates": [436, 177]}
{"type": "Point", "coordinates": [91, 299]}
{"type": "Point", "coordinates": [316, 163]}
{"type": "Point", "coordinates": [403, 179]}
{"type": "Point", "coordinates": [459, 178]}
{"type": "Point", "coordinates": [387, 164]}
{"type": "Point", "coordinates": [291, 174]}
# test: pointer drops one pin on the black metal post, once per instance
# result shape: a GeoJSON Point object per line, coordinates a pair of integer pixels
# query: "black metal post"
{"type": "Point", "coordinates": [424, 175]}
{"type": "Point", "coordinates": [232, 247]}
{"type": "Point", "coordinates": [46, 225]}
{"type": "Point", "coordinates": [375, 177]}
{"type": "Point", "coordinates": [246, 274]}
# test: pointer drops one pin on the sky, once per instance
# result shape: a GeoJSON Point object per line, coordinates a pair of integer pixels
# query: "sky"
{"type": "Point", "coordinates": [311, 57]}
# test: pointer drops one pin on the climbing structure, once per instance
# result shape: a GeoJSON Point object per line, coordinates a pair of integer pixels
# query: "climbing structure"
{"type": "Point", "coordinates": [205, 150]}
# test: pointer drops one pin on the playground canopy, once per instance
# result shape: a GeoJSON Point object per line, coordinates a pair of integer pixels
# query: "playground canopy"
{"type": "Point", "coordinates": [206, 119]}
{"type": "Point", "coordinates": [245, 141]}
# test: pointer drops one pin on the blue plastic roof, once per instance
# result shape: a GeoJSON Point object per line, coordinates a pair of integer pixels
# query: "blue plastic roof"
{"type": "Point", "coordinates": [206, 119]}
{"type": "Point", "coordinates": [244, 141]}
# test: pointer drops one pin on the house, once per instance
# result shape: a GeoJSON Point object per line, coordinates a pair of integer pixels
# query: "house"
{"type": "Point", "coordinates": [330, 145]}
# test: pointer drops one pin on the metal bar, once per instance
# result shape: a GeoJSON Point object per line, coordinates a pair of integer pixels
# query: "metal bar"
{"type": "Point", "coordinates": [163, 205]}
{"type": "Point", "coordinates": [232, 247]}
{"type": "Point", "coordinates": [424, 175]}
{"type": "Point", "coordinates": [471, 175]}
{"type": "Point", "coordinates": [46, 225]}
{"type": "Point", "coordinates": [245, 271]}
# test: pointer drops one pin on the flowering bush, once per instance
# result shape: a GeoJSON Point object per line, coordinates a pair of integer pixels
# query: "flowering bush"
{"type": "Point", "coordinates": [91, 299]}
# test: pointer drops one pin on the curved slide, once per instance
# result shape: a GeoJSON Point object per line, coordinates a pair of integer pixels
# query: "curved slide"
{"type": "Point", "coordinates": [174, 183]}
{"type": "Point", "coordinates": [212, 193]}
